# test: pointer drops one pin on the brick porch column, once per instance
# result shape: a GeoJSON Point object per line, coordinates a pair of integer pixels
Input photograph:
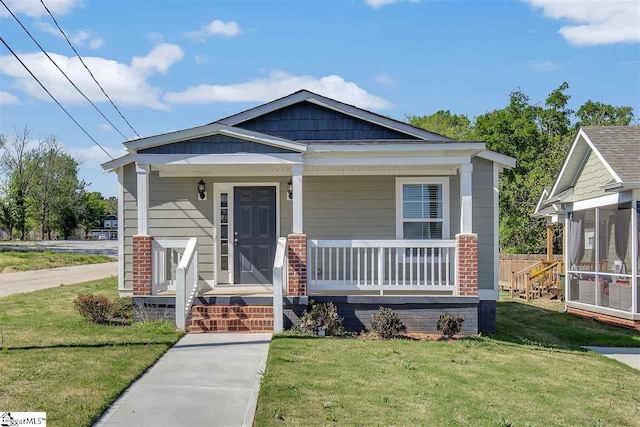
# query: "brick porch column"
{"type": "Point", "coordinates": [142, 264]}
{"type": "Point", "coordinates": [297, 257]}
{"type": "Point", "coordinates": [467, 264]}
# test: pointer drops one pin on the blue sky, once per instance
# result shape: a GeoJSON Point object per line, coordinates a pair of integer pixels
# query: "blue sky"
{"type": "Point", "coordinates": [175, 64]}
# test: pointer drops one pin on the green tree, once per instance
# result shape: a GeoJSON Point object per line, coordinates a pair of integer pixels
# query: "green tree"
{"type": "Point", "coordinates": [95, 209]}
{"type": "Point", "coordinates": [599, 114]}
{"type": "Point", "coordinates": [456, 126]}
{"type": "Point", "coordinates": [19, 164]}
{"type": "Point", "coordinates": [112, 205]}
{"type": "Point", "coordinates": [69, 207]}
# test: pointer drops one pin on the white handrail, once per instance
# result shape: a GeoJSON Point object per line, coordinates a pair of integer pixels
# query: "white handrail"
{"type": "Point", "coordinates": [186, 282]}
{"type": "Point", "coordinates": [279, 271]}
{"type": "Point", "coordinates": [394, 265]}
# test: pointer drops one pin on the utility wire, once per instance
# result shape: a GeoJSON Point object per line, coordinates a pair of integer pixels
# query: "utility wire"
{"type": "Point", "coordinates": [60, 69]}
{"type": "Point", "coordinates": [85, 66]}
{"type": "Point", "coordinates": [52, 97]}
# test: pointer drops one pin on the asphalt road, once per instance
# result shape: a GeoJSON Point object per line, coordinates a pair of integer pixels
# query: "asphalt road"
{"type": "Point", "coordinates": [93, 247]}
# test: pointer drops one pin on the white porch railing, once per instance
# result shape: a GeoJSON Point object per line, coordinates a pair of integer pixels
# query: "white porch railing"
{"type": "Point", "coordinates": [186, 282]}
{"type": "Point", "coordinates": [165, 257]}
{"type": "Point", "coordinates": [279, 283]}
{"type": "Point", "coordinates": [379, 265]}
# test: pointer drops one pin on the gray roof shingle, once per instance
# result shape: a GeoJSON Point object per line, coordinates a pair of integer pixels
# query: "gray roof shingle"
{"type": "Point", "coordinates": [620, 147]}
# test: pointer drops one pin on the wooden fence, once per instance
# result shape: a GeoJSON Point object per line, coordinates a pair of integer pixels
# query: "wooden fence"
{"type": "Point", "coordinates": [516, 262]}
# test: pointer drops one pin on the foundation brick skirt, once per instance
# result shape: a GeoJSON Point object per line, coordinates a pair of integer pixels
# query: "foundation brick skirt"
{"type": "Point", "coordinates": [231, 318]}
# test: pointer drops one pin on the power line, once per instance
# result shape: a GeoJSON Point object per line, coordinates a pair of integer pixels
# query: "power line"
{"type": "Point", "coordinates": [52, 97]}
{"type": "Point", "coordinates": [85, 66]}
{"type": "Point", "coordinates": [60, 69]}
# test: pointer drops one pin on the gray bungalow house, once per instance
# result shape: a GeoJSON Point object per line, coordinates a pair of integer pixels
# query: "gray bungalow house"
{"type": "Point", "coordinates": [237, 224]}
{"type": "Point", "coordinates": [597, 198]}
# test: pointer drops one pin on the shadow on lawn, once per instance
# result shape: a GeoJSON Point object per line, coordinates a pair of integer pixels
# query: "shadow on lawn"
{"type": "Point", "coordinates": [90, 345]}
{"type": "Point", "coordinates": [525, 324]}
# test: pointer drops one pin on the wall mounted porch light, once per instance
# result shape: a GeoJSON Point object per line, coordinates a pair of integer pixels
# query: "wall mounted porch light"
{"type": "Point", "coordinates": [290, 190]}
{"type": "Point", "coordinates": [202, 190]}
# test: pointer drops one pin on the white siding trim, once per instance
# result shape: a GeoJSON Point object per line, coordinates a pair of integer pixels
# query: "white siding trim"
{"type": "Point", "coordinates": [466, 198]}
{"type": "Point", "coordinates": [610, 199]}
{"type": "Point", "coordinates": [142, 198]}
{"type": "Point", "coordinates": [446, 201]}
{"type": "Point", "coordinates": [296, 180]}
{"type": "Point", "coordinates": [496, 226]}
{"type": "Point", "coordinates": [121, 230]}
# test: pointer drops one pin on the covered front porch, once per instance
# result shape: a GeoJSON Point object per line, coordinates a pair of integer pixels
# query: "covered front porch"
{"type": "Point", "coordinates": [280, 226]}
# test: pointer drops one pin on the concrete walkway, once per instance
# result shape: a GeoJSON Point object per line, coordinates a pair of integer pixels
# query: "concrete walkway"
{"type": "Point", "coordinates": [626, 355]}
{"type": "Point", "coordinates": [29, 281]}
{"type": "Point", "coordinates": [204, 380]}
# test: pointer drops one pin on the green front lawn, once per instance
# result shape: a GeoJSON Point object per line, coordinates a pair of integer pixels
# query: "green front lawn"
{"type": "Point", "coordinates": [531, 373]}
{"type": "Point", "coordinates": [37, 260]}
{"type": "Point", "coordinates": [55, 361]}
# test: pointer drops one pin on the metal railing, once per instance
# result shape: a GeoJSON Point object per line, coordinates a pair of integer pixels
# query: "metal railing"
{"type": "Point", "coordinates": [394, 265]}
{"type": "Point", "coordinates": [186, 282]}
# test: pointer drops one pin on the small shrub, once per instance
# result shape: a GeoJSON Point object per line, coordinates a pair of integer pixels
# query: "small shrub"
{"type": "Point", "coordinates": [450, 325]}
{"type": "Point", "coordinates": [96, 308]}
{"type": "Point", "coordinates": [121, 311]}
{"type": "Point", "coordinates": [322, 315]}
{"type": "Point", "coordinates": [386, 323]}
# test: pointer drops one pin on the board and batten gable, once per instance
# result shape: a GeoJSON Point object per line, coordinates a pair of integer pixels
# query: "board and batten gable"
{"type": "Point", "coordinates": [306, 121]}
{"type": "Point", "coordinates": [215, 144]}
{"type": "Point", "coordinates": [591, 178]}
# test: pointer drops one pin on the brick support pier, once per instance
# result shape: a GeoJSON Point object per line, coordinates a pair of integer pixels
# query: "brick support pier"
{"type": "Point", "coordinates": [297, 257]}
{"type": "Point", "coordinates": [467, 264]}
{"type": "Point", "coordinates": [142, 264]}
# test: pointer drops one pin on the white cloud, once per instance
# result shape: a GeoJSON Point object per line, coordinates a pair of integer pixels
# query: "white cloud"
{"type": "Point", "coordinates": [35, 9]}
{"type": "Point", "coordinates": [201, 59]}
{"type": "Point", "coordinates": [215, 27]}
{"type": "Point", "coordinates": [126, 84]}
{"type": "Point", "coordinates": [377, 4]}
{"type": "Point", "coordinates": [543, 67]}
{"type": "Point", "coordinates": [96, 43]}
{"type": "Point", "coordinates": [155, 38]}
{"type": "Point", "coordinates": [7, 99]}
{"type": "Point", "coordinates": [106, 127]}
{"type": "Point", "coordinates": [384, 79]}
{"type": "Point", "coordinates": [78, 38]}
{"type": "Point", "coordinates": [91, 156]}
{"type": "Point", "coordinates": [277, 85]}
{"type": "Point", "coordinates": [596, 22]}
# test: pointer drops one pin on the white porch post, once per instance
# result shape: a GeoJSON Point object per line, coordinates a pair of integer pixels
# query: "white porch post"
{"type": "Point", "coordinates": [634, 255]}
{"type": "Point", "coordinates": [296, 180]}
{"type": "Point", "coordinates": [142, 174]}
{"type": "Point", "coordinates": [466, 198]}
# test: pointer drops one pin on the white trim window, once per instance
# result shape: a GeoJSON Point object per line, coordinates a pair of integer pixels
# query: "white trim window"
{"type": "Point", "coordinates": [422, 208]}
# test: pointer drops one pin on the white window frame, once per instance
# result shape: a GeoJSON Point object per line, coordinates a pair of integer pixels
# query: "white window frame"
{"type": "Point", "coordinates": [444, 181]}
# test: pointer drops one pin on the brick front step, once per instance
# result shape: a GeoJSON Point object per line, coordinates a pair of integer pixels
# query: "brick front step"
{"type": "Point", "coordinates": [231, 318]}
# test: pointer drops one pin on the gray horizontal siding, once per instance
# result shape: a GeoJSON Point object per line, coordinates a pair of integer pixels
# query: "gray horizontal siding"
{"type": "Point", "coordinates": [483, 216]}
{"type": "Point", "coordinates": [214, 144]}
{"type": "Point", "coordinates": [307, 121]}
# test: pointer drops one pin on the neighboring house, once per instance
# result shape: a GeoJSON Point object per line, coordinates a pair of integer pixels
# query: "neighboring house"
{"type": "Point", "coordinates": [597, 197]}
{"type": "Point", "coordinates": [107, 229]}
{"type": "Point", "coordinates": [315, 199]}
